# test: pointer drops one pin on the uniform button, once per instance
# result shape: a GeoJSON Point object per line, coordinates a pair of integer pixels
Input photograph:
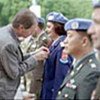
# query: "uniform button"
{"type": "Point", "coordinates": [72, 73]}
{"type": "Point", "coordinates": [44, 38]}
{"type": "Point", "coordinates": [72, 81]}
{"type": "Point", "coordinates": [59, 92]}
{"type": "Point", "coordinates": [73, 86]}
{"type": "Point", "coordinates": [90, 60]}
{"type": "Point", "coordinates": [66, 95]}
{"type": "Point", "coordinates": [52, 90]}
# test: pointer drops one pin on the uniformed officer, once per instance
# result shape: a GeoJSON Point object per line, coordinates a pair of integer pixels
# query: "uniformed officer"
{"type": "Point", "coordinates": [79, 84]}
{"type": "Point", "coordinates": [58, 62]}
{"type": "Point", "coordinates": [30, 45]}
{"type": "Point", "coordinates": [94, 31]}
{"type": "Point", "coordinates": [42, 39]}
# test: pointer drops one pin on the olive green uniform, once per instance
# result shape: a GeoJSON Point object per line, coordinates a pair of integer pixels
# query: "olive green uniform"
{"type": "Point", "coordinates": [82, 80]}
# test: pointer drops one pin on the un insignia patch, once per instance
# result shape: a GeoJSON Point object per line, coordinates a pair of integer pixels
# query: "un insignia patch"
{"type": "Point", "coordinates": [50, 17]}
{"type": "Point", "coordinates": [75, 25]}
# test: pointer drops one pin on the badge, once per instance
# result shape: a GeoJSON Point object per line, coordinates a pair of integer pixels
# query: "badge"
{"type": "Point", "coordinates": [90, 60]}
{"type": "Point", "coordinates": [62, 44]}
{"type": "Point", "coordinates": [50, 17]}
{"type": "Point", "coordinates": [66, 95]}
{"type": "Point", "coordinates": [43, 38]}
{"type": "Point", "coordinates": [93, 65]}
{"type": "Point", "coordinates": [64, 58]}
{"type": "Point", "coordinates": [59, 92]}
{"type": "Point", "coordinates": [75, 25]}
{"type": "Point", "coordinates": [72, 73]}
{"type": "Point", "coordinates": [72, 81]}
{"type": "Point", "coordinates": [71, 86]}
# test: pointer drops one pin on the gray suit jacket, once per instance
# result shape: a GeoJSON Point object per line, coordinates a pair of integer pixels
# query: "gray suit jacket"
{"type": "Point", "coordinates": [81, 81]}
{"type": "Point", "coordinates": [12, 63]}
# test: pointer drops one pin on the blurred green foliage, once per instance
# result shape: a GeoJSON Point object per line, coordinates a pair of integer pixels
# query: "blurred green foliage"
{"type": "Point", "coordinates": [8, 9]}
{"type": "Point", "coordinates": [70, 8]}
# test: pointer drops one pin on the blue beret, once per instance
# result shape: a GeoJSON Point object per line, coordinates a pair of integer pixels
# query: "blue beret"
{"type": "Point", "coordinates": [56, 17]}
{"type": "Point", "coordinates": [78, 24]}
{"type": "Point", "coordinates": [41, 20]}
{"type": "Point", "coordinates": [96, 3]}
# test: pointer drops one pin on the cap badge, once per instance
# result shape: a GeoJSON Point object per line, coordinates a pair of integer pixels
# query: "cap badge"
{"type": "Point", "coordinates": [75, 25]}
{"type": "Point", "coordinates": [50, 17]}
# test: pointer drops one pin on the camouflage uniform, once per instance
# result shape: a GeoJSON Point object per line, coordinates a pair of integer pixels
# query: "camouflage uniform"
{"type": "Point", "coordinates": [30, 45]}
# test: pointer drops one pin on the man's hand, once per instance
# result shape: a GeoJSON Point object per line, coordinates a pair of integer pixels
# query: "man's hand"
{"type": "Point", "coordinates": [29, 96]}
{"type": "Point", "coordinates": [41, 54]}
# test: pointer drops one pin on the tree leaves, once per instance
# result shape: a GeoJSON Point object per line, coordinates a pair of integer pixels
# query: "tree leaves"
{"type": "Point", "coordinates": [70, 8]}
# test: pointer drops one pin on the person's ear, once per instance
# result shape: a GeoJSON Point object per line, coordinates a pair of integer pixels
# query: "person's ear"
{"type": "Point", "coordinates": [84, 41]}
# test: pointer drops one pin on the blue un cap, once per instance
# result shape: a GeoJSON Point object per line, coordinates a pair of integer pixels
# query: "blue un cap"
{"type": "Point", "coordinates": [78, 24]}
{"type": "Point", "coordinates": [41, 20]}
{"type": "Point", "coordinates": [96, 3]}
{"type": "Point", "coordinates": [56, 17]}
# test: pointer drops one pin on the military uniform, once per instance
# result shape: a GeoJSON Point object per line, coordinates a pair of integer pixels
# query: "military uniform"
{"type": "Point", "coordinates": [82, 80]}
{"type": "Point", "coordinates": [80, 83]}
{"type": "Point", "coordinates": [35, 86]}
{"type": "Point", "coordinates": [30, 45]}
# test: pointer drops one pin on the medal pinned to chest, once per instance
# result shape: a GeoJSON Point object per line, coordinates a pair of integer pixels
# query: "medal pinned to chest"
{"type": "Point", "coordinates": [64, 57]}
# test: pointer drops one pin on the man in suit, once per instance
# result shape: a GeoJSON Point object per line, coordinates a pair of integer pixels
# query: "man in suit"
{"type": "Point", "coordinates": [94, 31]}
{"type": "Point", "coordinates": [81, 81]}
{"type": "Point", "coordinates": [12, 62]}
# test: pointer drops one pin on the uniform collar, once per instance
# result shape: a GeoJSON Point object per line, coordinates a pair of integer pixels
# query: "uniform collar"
{"type": "Point", "coordinates": [59, 39]}
{"type": "Point", "coordinates": [78, 65]}
{"type": "Point", "coordinates": [83, 59]}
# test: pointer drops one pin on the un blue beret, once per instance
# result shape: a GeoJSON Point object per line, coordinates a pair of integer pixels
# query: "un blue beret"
{"type": "Point", "coordinates": [96, 3]}
{"type": "Point", "coordinates": [56, 17]}
{"type": "Point", "coordinates": [41, 20]}
{"type": "Point", "coordinates": [78, 24]}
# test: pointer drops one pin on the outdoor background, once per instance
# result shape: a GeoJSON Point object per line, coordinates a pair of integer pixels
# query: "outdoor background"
{"type": "Point", "coordinates": [70, 8]}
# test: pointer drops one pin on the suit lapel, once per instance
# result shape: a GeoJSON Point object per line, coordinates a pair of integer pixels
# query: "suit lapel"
{"type": "Point", "coordinates": [21, 54]}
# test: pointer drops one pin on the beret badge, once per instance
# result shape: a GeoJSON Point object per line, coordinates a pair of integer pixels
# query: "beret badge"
{"type": "Point", "coordinates": [50, 17]}
{"type": "Point", "coordinates": [75, 25]}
